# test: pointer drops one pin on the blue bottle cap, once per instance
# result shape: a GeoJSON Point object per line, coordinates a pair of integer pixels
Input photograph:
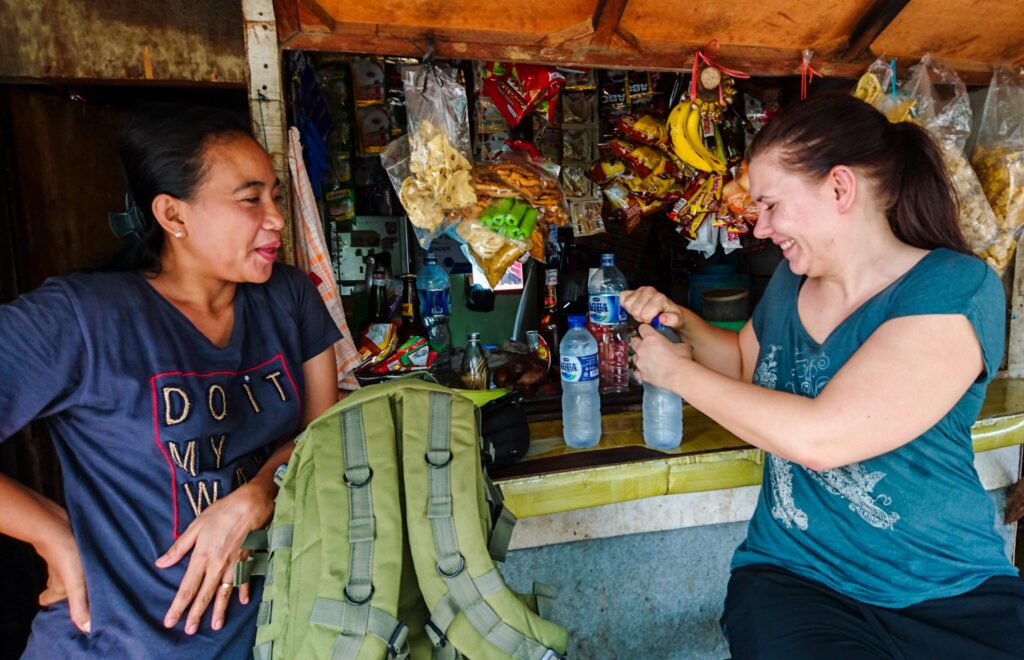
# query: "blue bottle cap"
{"type": "Point", "coordinates": [577, 320]}
{"type": "Point", "coordinates": [608, 259]}
{"type": "Point", "coordinates": [656, 322]}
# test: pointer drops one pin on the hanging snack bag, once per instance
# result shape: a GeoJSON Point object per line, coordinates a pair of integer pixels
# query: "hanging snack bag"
{"type": "Point", "coordinates": [944, 109]}
{"type": "Point", "coordinates": [998, 159]}
{"type": "Point", "coordinates": [430, 166]}
{"type": "Point", "coordinates": [517, 89]}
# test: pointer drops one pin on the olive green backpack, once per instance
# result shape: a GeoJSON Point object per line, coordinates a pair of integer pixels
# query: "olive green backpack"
{"type": "Point", "coordinates": [384, 537]}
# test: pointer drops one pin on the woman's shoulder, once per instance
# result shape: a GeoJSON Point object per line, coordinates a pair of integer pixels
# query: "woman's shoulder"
{"type": "Point", "coordinates": [94, 288]}
{"type": "Point", "coordinates": [950, 281]}
{"type": "Point", "coordinates": [944, 270]}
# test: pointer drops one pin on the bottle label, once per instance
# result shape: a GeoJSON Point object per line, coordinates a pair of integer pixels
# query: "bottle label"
{"type": "Point", "coordinates": [605, 309]}
{"type": "Point", "coordinates": [435, 302]}
{"type": "Point", "coordinates": [580, 369]}
{"type": "Point", "coordinates": [551, 277]}
{"type": "Point", "coordinates": [407, 309]}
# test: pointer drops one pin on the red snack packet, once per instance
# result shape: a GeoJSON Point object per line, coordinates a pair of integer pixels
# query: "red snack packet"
{"type": "Point", "coordinates": [643, 129]}
{"type": "Point", "coordinates": [642, 160]}
{"type": "Point", "coordinates": [519, 88]}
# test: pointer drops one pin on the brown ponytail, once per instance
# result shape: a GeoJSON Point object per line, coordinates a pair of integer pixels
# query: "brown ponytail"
{"type": "Point", "coordinates": [903, 162]}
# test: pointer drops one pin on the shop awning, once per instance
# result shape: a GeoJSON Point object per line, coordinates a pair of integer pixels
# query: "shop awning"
{"type": "Point", "coordinates": [761, 37]}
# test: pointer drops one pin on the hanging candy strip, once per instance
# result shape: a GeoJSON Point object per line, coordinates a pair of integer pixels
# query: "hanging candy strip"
{"type": "Point", "coordinates": [807, 72]}
{"type": "Point", "coordinates": [705, 54]}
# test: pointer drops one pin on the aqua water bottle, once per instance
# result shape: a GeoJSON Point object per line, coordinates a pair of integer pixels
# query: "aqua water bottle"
{"type": "Point", "coordinates": [608, 324]}
{"type": "Point", "coordinates": [581, 402]}
{"type": "Point", "coordinates": [434, 292]}
{"type": "Point", "coordinates": [662, 409]}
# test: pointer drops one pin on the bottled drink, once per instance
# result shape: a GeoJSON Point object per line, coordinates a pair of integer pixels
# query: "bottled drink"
{"type": "Point", "coordinates": [663, 409]}
{"type": "Point", "coordinates": [608, 325]}
{"type": "Point", "coordinates": [412, 322]}
{"type": "Point", "coordinates": [379, 298]}
{"type": "Point", "coordinates": [552, 323]}
{"type": "Point", "coordinates": [474, 364]}
{"type": "Point", "coordinates": [435, 303]}
{"type": "Point", "coordinates": [581, 403]}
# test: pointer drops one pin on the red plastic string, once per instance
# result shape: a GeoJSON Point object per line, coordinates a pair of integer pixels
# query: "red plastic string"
{"type": "Point", "coordinates": [807, 73]}
{"type": "Point", "coordinates": [705, 54]}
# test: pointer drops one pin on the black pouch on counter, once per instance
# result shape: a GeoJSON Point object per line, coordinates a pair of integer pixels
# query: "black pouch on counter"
{"type": "Point", "coordinates": [504, 429]}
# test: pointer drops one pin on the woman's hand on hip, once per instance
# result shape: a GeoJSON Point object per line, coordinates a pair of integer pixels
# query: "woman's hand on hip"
{"type": "Point", "coordinates": [645, 303]}
{"type": "Point", "coordinates": [656, 360]}
{"type": "Point", "coordinates": [65, 578]}
{"type": "Point", "coordinates": [215, 540]}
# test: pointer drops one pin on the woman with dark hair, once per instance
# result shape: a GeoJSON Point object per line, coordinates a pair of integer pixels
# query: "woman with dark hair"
{"type": "Point", "coordinates": [860, 374]}
{"type": "Point", "coordinates": [172, 380]}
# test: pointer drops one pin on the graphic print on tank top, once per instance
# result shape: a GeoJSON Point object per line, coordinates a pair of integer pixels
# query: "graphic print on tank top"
{"type": "Point", "coordinates": [212, 429]}
{"type": "Point", "coordinates": [851, 482]}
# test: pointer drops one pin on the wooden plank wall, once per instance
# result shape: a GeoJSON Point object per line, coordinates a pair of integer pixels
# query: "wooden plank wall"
{"type": "Point", "coordinates": [66, 178]}
{"type": "Point", "coordinates": [124, 40]}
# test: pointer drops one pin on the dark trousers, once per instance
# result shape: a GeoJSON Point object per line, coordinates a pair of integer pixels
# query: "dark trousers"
{"type": "Point", "coordinates": [773, 613]}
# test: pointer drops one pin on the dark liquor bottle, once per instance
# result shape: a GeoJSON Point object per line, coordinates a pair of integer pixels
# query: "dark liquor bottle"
{"type": "Point", "coordinates": [379, 298]}
{"type": "Point", "coordinates": [552, 321]}
{"type": "Point", "coordinates": [412, 321]}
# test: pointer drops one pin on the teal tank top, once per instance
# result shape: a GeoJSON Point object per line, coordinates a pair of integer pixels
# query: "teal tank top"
{"type": "Point", "coordinates": [912, 524]}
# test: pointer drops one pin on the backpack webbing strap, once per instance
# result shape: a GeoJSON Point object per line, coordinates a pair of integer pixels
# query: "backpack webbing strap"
{"type": "Point", "coordinates": [263, 543]}
{"type": "Point", "coordinates": [501, 532]}
{"type": "Point", "coordinates": [545, 596]}
{"type": "Point", "coordinates": [254, 564]}
{"type": "Point", "coordinates": [354, 621]}
{"type": "Point", "coordinates": [463, 592]}
{"type": "Point", "coordinates": [361, 523]}
{"type": "Point", "coordinates": [264, 651]}
{"type": "Point", "coordinates": [446, 609]}
{"type": "Point", "coordinates": [263, 615]}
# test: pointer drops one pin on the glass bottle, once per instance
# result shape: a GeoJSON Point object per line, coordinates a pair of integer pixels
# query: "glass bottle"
{"type": "Point", "coordinates": [552, 322]}
{"type": "Point", "coordinates": [474, 373]}
{"type": "Point", "coordinates": [412, 322]}
{"type": "Point", "coordinates": [379, 297]}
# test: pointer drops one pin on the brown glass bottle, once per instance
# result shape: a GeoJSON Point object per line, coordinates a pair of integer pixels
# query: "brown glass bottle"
{"type": "Point", "coordinates": [552, 321]}
{"type": "Point", "coordinates": [411, 323]}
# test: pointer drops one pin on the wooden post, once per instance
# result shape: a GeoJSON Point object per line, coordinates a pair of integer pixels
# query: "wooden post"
{"type": "Point", "coordinates": [266, 101]}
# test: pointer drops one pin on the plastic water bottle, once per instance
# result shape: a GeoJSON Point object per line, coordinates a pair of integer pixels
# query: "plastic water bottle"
{"type": "Point", "coordinates": [608, 325]}
{"type": "Point", "coordinates": [581, 403]}
{"type": "Point", "coordinates": [435, 304]}
{"type": "Point", "coordinates": [663, 409]}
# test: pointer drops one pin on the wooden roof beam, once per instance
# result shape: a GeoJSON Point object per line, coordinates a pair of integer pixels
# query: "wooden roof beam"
{"type": "Point", "coordinates": [314, 18]}
{"type": "Point", "coordinates": [871, 24]}
{"type": "Point", "coordinates": [607, 32]}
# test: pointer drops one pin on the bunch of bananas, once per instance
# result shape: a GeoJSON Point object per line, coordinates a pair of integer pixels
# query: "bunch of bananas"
{"type": "Point", "coordinates": [687, 141]}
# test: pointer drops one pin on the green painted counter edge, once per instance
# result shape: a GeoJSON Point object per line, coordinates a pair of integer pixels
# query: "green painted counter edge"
{"type": "Point", "coordinates": [687, 473]}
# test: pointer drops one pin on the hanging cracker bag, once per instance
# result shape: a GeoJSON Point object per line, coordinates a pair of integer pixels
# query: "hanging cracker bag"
{"type": "Point", "coordinates": [943, 108]}
{"type": "Point", "coordinates": [998, 158]}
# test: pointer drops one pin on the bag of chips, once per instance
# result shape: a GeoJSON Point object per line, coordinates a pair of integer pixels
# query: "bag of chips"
{"type": "Point", "coordinates": [943, 108]}
{"type": "Point", "coordinates": [430, 167]}
{"type": "Point", "coordinates": [998, 159]}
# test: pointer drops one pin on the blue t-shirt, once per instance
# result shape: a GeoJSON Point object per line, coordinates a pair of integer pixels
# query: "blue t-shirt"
{"type": "Point", "coordinates": [152, 423]}
{"type": "Point", "coordinates": [912, 524]}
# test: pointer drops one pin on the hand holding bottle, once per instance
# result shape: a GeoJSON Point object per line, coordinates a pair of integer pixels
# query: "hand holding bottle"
{"type": "Point", "coordinates": [645, 303]}
{"type": "Point", "coordinates": [656, 359]}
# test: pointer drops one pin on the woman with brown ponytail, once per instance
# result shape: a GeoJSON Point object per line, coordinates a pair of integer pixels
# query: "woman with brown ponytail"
{"type": "Point", "coordinates": [860, 374]}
